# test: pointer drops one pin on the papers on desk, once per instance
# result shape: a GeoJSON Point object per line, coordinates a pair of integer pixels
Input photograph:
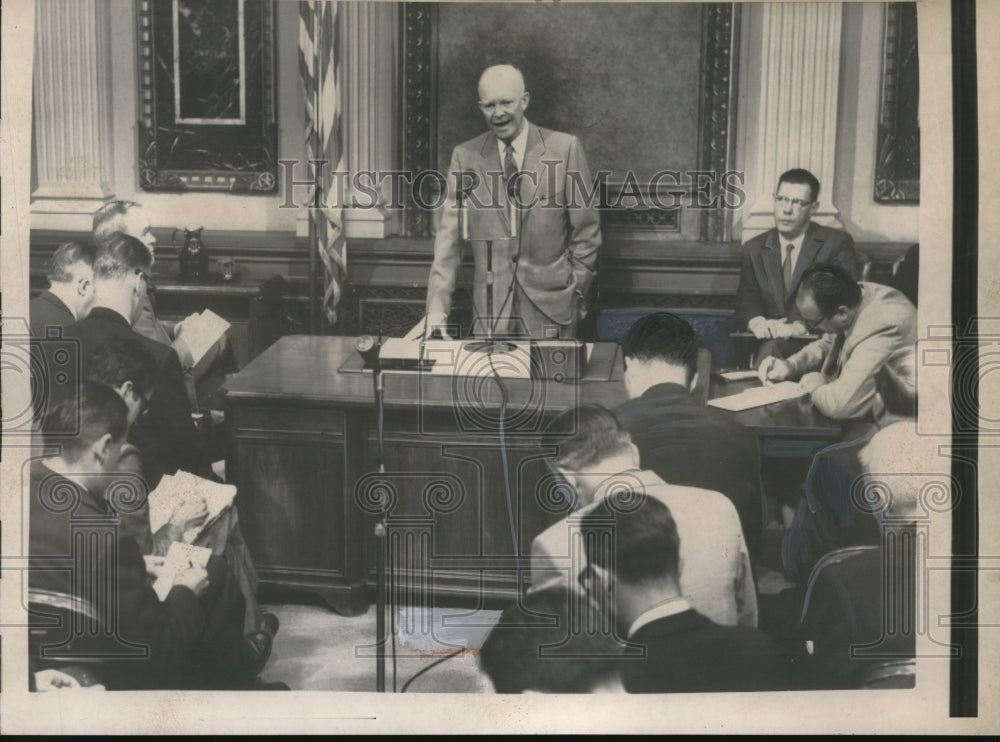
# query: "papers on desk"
{"type": "Point", "coordinates": [183, 487]}
{"type": "Point", "coordinates": [759, 396]}
{"type": "Point", "coordinates": [738, 375]}
{"type": "Point", "coordinates": [201, 331]}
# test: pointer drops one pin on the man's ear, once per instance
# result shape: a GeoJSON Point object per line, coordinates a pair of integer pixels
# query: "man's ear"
{"type": "Point", "coordinates": [634, 449]}
{"type": "Point", "coordinates": [101, 448]}
{"type": "Point", "coordinates": [83, 285]}
{"type": "Point", "coordinates": [526, 99]}
{"type": "Point", "coordinates": [813, 207]}
{"type": "Point", "coordinates": [694, 382]}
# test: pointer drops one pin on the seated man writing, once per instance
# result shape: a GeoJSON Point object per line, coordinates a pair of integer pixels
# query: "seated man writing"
{"type": "Point", "coordinates": [596, 456]}
{"type": "Point", "coordinates": [864, 324]}
{"type": "Point", "coordinates": [193, 635]}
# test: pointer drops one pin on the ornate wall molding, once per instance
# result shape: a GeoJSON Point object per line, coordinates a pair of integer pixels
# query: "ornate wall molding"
{"type": "Point", "coordinates": [897, 162]}
{"type": "Point", "coordinates": [419, 93]}
{"type": "Point", "coordinates": [720, 68]}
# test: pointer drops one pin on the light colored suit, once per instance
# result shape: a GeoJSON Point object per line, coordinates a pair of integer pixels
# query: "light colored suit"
{"type": "Point", "coordinates": [553, 258]}
{"type": "Point", "coordinates": [715, 570]}
{"type": "Point", "coordinates": [886, 322]}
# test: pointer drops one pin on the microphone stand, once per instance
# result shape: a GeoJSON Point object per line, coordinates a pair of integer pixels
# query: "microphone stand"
{"type": "Point", "coordinates": [369, 350]}
{"type": "Point", "coordinates": [490, 344]}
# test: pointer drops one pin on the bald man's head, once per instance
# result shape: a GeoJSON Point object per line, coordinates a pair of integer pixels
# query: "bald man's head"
{"type": "Point", "coordinates": [503, 100]}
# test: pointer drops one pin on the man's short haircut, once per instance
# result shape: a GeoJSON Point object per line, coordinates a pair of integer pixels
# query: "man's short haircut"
{"type": "Point", "coordinates": [117, 360]}
{"type": "Point", "coordinates": [66, 257]}
{"type": "Point", "coordinates": [120, 254]}
{"type": "Point", "coordinates": [527, 651]}
{"type": "Point", "coordinates": [831, 287]}
{"type": "Point", "coordinates": [586, 436]}
{"type": "Point", "coordinates": [800, 176]}
{"type": "Point", "coordinates": [665, 337]}
{"type": "Point", "coordinates": [110, 218]}
{"type": "Point", "coordinates": [633, 536]}
{"type": "Point", "coordinates": [96, 412]}
{"type": "Point", "coordinates": [896, 383]}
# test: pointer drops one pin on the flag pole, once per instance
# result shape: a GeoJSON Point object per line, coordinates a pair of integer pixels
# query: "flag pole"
{"type": "Point", "coordinates": [314, 236]}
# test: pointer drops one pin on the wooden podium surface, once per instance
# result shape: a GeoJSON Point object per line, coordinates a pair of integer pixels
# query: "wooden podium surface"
{"type": "Point", "coordinates": [302, 449]}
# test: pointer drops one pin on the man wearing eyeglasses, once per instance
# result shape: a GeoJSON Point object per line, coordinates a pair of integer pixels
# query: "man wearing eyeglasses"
{"type": "Point", "coordinates": [863, 325]}
{"type": "Point", "coordinates": [773, 263]}
{"type": "Point", "coordinates": [520, 188]}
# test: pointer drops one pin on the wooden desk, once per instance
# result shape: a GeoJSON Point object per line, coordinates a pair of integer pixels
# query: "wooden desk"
{"type": "Point", "coordinates": [302, 444]}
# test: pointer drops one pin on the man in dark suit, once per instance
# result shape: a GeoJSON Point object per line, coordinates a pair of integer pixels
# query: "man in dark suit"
{"type": "Point", "coordinates": [192, 636]}
{"type": "Point", "coordinates": [201, 379]}
{"type": "Point", "coordinates": [684, 442]}
{"type": "Point", "coordinates": [544, 259]}
{"type": "Point", "coordinates": [632, 552]}
{"type": "Point", "coordinates": [71, 289]}
{"type": "Point", "coordinates": [166, 435]}
{"type": "Point", "coordinates": [773, 262]}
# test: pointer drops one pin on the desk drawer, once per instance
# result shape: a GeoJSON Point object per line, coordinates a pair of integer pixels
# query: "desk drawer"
{"type": "Point", "coordinates": [278, 420]}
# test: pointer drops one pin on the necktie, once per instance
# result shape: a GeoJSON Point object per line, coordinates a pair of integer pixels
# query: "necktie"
{"type": "Point", "coordinates": [788, 269]}
{"type": "Point", "coordinates": [509, 164]}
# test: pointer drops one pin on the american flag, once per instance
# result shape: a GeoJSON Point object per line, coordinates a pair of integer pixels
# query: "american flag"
{"type": "Point", "coordinates": [318, 70]}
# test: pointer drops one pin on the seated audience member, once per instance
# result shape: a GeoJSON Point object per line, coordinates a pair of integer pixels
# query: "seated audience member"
{"type": "Point", "coordinates": [907, 276]}
{"type": "Point", "coordinates": [773, 263]}
{"type": "Point", "coordinates": [193, 635]}
{"type": "Point", "coordinates": [596, 457]}
{"type": "Point", "coordinates": [203, 378]}
{"type": "Point", "coordinates": [527, 652]}
{"type": "Point", "coordinates": [166, 435]}
{"type": "Point", "coordinates": [71, 289]}
{"type": "Point", "coordinates": [682, 441]}
{"type": "Point", "coordinates": [828, 517]}
{"type": "Point", "coordinates": [863, 325]}
{"type": "Point", "coordinates": [860, 617]}
{"type": "Point", "coordinates": [129, 368]}
{"type": "Point", "coordinates": [633, 564]}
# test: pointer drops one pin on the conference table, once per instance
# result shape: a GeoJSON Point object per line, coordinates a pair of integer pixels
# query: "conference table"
{"type": "Point", "coordinates": [465, 486]}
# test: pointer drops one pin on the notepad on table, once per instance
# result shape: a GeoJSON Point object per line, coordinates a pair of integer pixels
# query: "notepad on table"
{"type": "Point", "coordinates": [738, 375]}
{"type": "Point", "coordinates": [759, 396]}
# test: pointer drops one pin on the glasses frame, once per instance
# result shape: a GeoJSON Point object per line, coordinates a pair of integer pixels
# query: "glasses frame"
{"type": "Point", "coordinates": [795, 203]}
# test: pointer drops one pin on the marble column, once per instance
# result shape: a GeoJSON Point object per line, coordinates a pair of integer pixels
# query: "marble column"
{"type": "Point", "coordinates": [792, 113]}
{"type": "Point", "coordinates": [369, 38]}
{"type": "Point", "coordinates": [72, 111]}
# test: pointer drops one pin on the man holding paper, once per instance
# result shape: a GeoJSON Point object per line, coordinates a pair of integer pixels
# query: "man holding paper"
{"type": "Point", "coordinates": [522, 189]}
{"type": "Point", "coordinates": [863, 326]}
{"type": "Point", "coordinates": [166, 435]}
{"type": "Point", "coordinates": [192, 630]}
{"type": "Point", "coordinates": [201, 348]}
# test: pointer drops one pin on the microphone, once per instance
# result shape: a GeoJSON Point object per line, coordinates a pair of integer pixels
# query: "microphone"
{"type": "Point", "coordinates": [512, 196]}
{"type": "Point", "coordinates": [368, 348]}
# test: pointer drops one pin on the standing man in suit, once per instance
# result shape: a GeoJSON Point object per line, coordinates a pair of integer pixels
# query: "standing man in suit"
{"type": "Point", "coordinates": [71, 289]}
{"type": "Point", "coordinates": [685, 442]}
{"type": "Point", "coordinates": [544, 246]}
{"type": "Point", "coordinates": [863, 325]}
{"type": "Point", "coordinates": [166, 435]}
{"type": "Point", "coordinates": [633, 549]}
{"type": "Point", "coordinates": [597, 458]}
{"type": "Point", "coordinates": [773, 263]}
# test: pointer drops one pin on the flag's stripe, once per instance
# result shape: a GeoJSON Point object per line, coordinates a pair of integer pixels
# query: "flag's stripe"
{"type": "Point", "coordinates": [319, 73]}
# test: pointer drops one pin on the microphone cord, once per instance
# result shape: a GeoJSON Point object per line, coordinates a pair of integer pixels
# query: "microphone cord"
{"type": "Point", "coordinates": [504, 394]}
